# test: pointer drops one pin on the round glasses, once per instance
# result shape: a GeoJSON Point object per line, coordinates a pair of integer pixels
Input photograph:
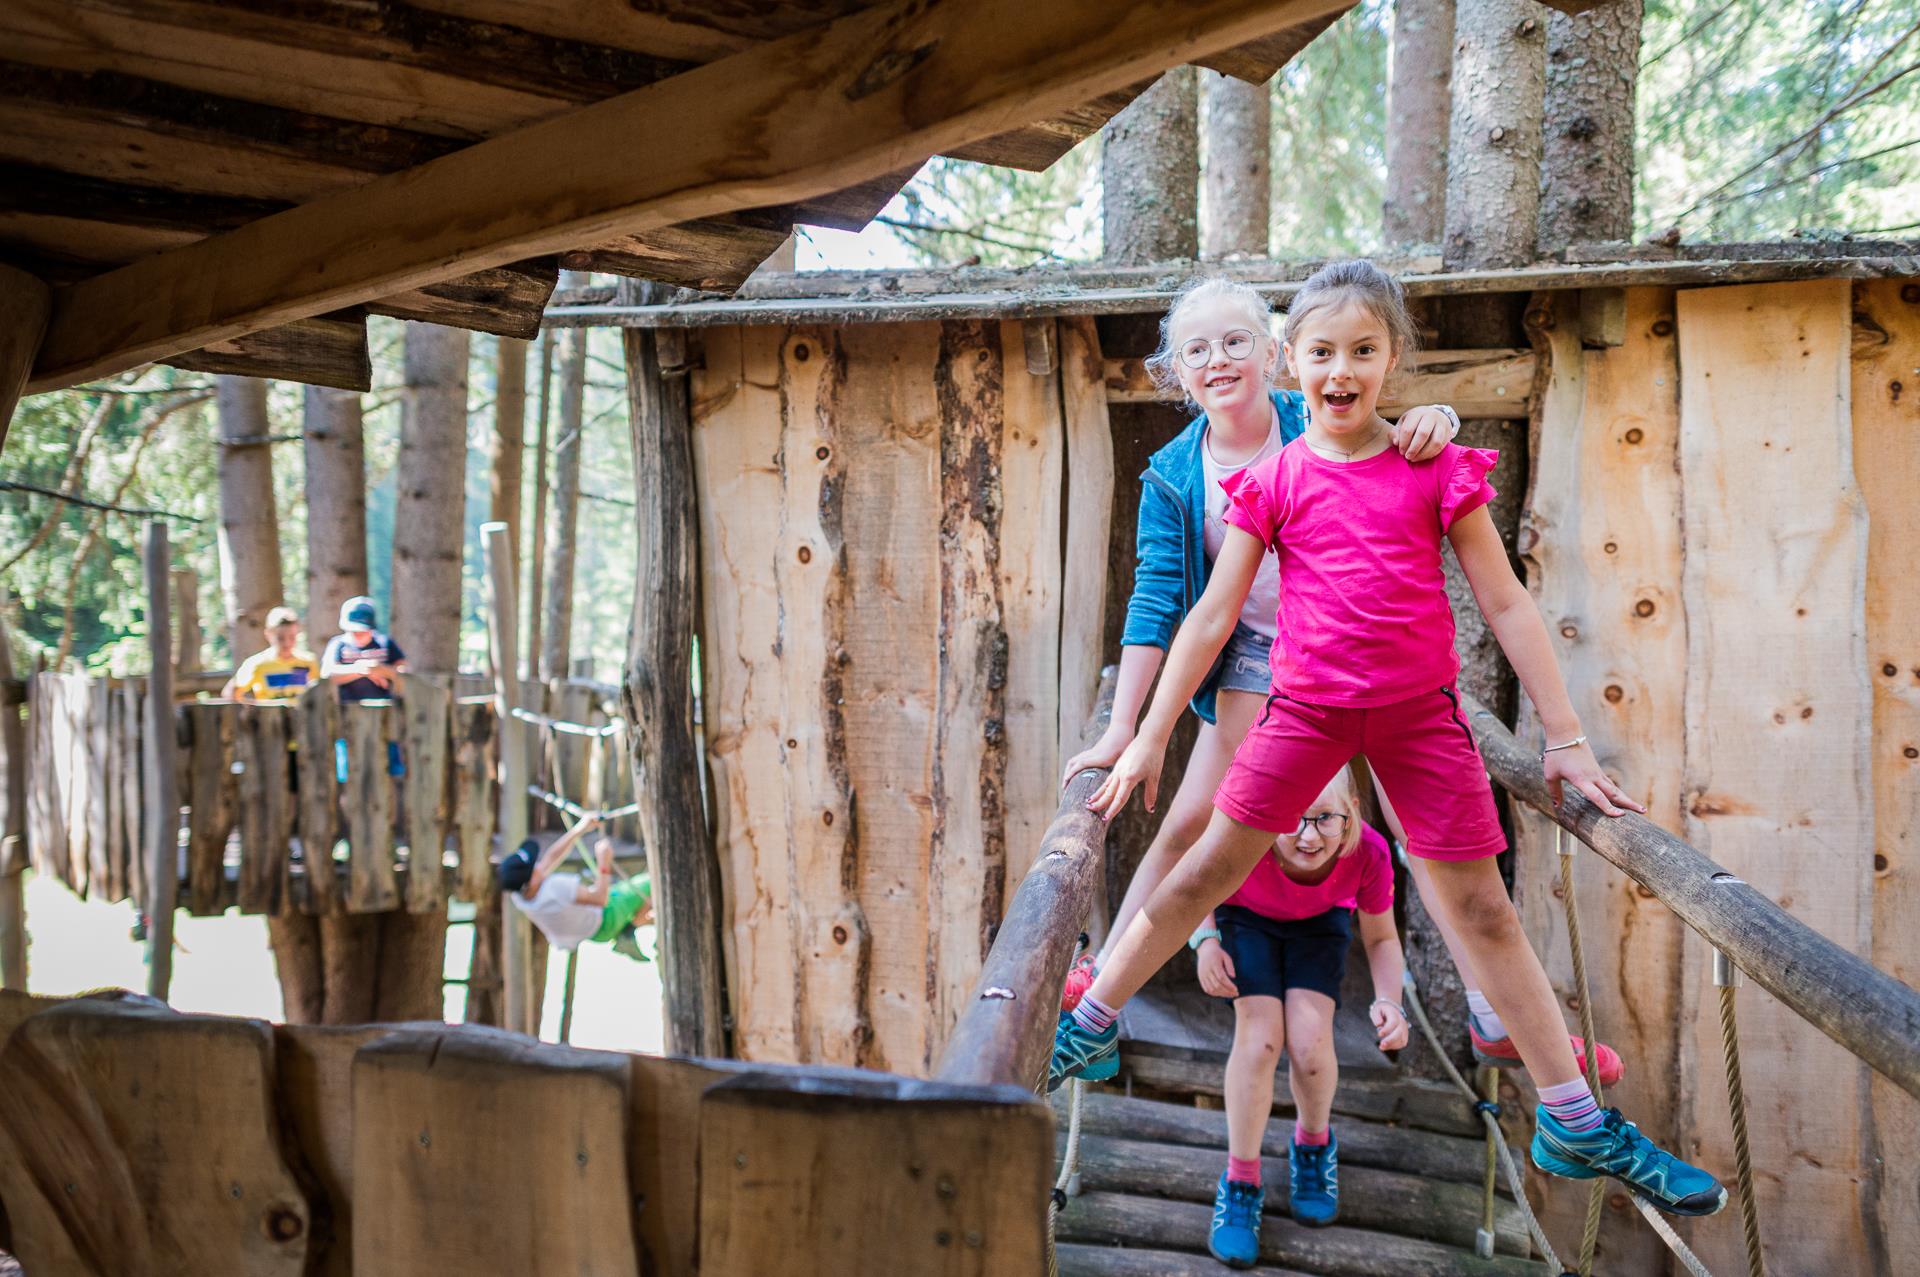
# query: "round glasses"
{"type": "Point", "coordinates": [1237, 345]}
{"type": "Point", "coordinates": [1331, 824]}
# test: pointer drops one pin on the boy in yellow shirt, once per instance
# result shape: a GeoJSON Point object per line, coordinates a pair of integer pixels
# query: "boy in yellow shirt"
{"type": "Point", "coordinates": [282, 671]}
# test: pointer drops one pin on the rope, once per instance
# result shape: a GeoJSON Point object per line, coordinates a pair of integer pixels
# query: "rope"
{"type": "Point", "coordinates": [1070, 1160]}
{"type": "Point", "coordinates": [1597, 1191]}
{"type": "Point", "coordinates": [1688, 1260]}
{"type": "Point", "coordinates": [1737, 1104]}
{"type": "Point", "coordinates": [562, 725]}
{"type": "Point", "coordinates": [560, 803]}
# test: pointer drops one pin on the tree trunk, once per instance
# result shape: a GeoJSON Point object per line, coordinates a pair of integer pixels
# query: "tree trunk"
{"type": "Point", "coordinates": [429, 519]}
{"type": "Point", "coordinates": [537, 551]}
{"type": "Point", "coordinates": [557, 649]}
{"type": "Point", "coordinates": [1239, 171]}
{"type": "Point", "coordinates": [1419, 101]}
{"type": "Point", "coordinates": [1493, 139]}
{"type": "Point", "coordinates": [1150, 174]}
{"type": "Point", "coordinates": [509, 440]}
{"type": "Point", "coordinates": [1593, 61]}
{"type": "Point", "coordinates": [336, 458]}
{"type": "Point", "coordinates": [250, 579]}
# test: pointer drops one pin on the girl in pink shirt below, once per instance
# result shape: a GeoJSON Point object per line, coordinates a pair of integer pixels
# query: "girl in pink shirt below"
{"type": "Point", "coordinates": [1278, 948]}
{"type": "Point", "coordinates": [1363, 611]}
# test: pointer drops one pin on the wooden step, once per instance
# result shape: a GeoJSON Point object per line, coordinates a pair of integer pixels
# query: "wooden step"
{"type": "Point", "coordinates": [1127, 1261]}
{"type": "Point", "coordinates": [1118, 1219]}
{"type": "Point", "coordinates": [1426, 1153]}
{"type": "Point", "coordinates": [1376, 1096]}
{"type": "Point", "coordinates": [1383, 1200]}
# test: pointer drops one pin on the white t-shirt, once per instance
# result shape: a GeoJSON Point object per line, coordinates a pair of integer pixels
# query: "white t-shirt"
{"type": "Point", "coordinates": [564, 922]}
{"type": "Point", "coordinates": [1262, 610]}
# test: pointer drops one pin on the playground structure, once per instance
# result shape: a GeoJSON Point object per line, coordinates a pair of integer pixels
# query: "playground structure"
{"type": "Point", "coordinates": [904, 506]}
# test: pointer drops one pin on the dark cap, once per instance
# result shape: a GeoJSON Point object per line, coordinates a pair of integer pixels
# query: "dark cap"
{"type": "Point", "coordinates": [517, 868]}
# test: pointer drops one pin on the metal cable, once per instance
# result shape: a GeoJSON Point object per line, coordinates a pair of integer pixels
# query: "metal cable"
{"type": "Point", "coordinates": [1597, 1191]}
{"type": "Point", "coordinates": [1737, 1106]}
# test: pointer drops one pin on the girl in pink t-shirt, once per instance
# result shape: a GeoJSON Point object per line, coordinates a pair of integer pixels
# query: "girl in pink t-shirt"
{"type": "Point", "coordinates": [1365, 664]}
{"type": "Point", "coordinates": [1278, 948]}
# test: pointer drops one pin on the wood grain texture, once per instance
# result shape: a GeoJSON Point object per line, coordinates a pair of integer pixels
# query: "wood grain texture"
{"type": "Point", "coordinates": [367, 727]}
{"type": "Point", "coordinates": [830, 107]}
{"type": "Point", "coordinates": [1478, 383]}
{"type": "Point", "coordinates": [426, 721]}
{"type": "Point", "coordinates": [474, 1148]}
{"type": "Point", "coordinates": [321, 821]}
{"type": "Point", "coordinates": [103, 1179]}
{"type": "Point", "coordinates": [1090, 478]}
{"type": "Point", "coordinates": [473, 799]}
{"type": "Point", "coordinates": [1032, 460]}
{"type": "Point", "coordinates": [1886, 422]}
{"type": "Point", "coordinates": [1603, 557]}
{"type": "Point", "coordinates": [944, 1180]}
{"type": "Point", "coordinates": [266, 802]}
{"type": "Point", "coordinates": [90, 744]}
{"type": "Point", "coordinates": [313, 1092]}
{"type": "Point", "coordinates": [213, 801]}
{"type": "Point", "coordinates": [25, 303]}
{"type": "Point", "coordinates": [1779, 706]}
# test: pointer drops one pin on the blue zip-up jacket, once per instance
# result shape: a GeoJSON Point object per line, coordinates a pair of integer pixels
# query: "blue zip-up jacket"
{"type": "Point", "coordinates": [1171, 567]}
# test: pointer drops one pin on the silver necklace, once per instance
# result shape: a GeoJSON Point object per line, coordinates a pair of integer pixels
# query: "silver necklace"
{"type": "Point", "coordinates": [1345, 452]}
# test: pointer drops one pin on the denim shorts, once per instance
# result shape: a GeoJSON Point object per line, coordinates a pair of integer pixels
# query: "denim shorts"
{"type": "Point", "coordinates": [1244, 663]}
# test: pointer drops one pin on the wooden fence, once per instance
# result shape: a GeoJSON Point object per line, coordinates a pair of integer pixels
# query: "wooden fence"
{"type": "Point", "coordinates": [400, 1149]}
{"type": "Point", "coordinates": [263, 801]}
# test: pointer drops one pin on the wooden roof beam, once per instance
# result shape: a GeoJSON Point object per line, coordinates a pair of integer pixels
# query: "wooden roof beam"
{"type": "Point", "coordinates": [780, 123]}
{"type": "Point", "coordinates": [328, 350]}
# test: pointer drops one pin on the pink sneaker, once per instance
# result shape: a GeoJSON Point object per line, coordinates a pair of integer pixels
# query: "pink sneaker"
{"type": "Point", "coordinates": [1079, 979]}
{"type": "Point", "coordinates": [1502, 1053]}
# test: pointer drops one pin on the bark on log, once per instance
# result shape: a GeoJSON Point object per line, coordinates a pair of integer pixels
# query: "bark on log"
{"type": "Point", "coordinates": [250, 578]}
{"type": "Point", "coordinates": [507, 445]}
{"type": "Point", "coordinates": [1593, 62]}
{"type": "Point", "coordinates": [163, 796]}
{"type": "Point", "coordinates": [1239, 167]}
{"type": "Point", "coordinates": [1150, 174]}
{"type": "Point", "coordinates": [25, 302]}
{"type": "Point", "coordinates": [336, 484]}
{"type": "Point", "coordinates": [1493, 145]}
{"type": "Point", "coordinates": [1003, 1032]}
{"type": "Point", "coordinates": [657, 700]}
{"type": "Point", "coordinates": [1419, 102]}
{"type": "Point", "coordinates": [429, 518]}
{"type": "Point", "coordinates": [557, 629]}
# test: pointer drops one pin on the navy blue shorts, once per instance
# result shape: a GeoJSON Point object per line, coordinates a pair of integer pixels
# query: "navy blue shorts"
{"type": "Point", "coordinates": [1271, 956]}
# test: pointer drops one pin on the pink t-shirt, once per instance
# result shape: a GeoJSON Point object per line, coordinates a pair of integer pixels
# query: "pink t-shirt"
{"type": "Point", "coordinates": [1363, 879]}
{"type": "Point", "coordinates": [1363, 618]}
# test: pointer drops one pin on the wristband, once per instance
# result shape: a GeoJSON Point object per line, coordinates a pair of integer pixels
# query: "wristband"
{"type": "Point", "coordinates": [1388, 1002]}
{"type": "Point", "coordinates": [1566, 744]}
{"type": "Point", "coordinates": [1201, 936]}
{"type": "Point", "coordinates": [1452, 416]}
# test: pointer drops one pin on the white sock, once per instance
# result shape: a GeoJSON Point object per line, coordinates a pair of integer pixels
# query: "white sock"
{"type": "Point", "coordinates": [1484, 1020]}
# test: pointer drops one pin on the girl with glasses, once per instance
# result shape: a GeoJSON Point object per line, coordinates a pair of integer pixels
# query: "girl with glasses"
{"type": "Point", "coordinates": [1277, 948]}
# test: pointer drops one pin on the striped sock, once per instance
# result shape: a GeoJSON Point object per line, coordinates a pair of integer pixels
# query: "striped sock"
{"type": "Point", "coordinates": [1311, 1139]}
{"type": "Point", "coordinates": [1485, 1021]}
{"type": "Point", "coordinates": [1571, 1104]}
{"type": "Point", "coordinates": [1243, 1170]}
{"type": "Point", "coordinates": [1094, 1015]}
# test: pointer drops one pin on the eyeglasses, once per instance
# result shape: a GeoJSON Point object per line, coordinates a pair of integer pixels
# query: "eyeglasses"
{"type": "Point", "coordinates": [1331, 824]}
{"type": "Point", "coordinates": [1237, 344]}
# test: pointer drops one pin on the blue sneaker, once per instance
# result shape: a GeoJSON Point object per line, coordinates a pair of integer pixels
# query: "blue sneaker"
{"type": "Point", "coordinates": [1234, 1239]}
{"type": "Point", "coordinates": [1313, 1182]}
{"type": "Point", "coordinates": [1093, 1057]}
{"type": "Point", "coordinates": [1617, 1148]}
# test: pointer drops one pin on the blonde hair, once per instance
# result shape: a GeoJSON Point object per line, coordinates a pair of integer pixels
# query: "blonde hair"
{"type": "Point", "coordinates": [1163, 365]}
{"type": "Point", "coordinates": [1339, 793]}
{"type": "Point", "coordinates": [1359, 281]}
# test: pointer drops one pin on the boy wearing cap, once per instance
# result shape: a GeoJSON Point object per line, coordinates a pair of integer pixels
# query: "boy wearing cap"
{"type": "Point", "coordinates": [282, 671]}
{"type": "Point", "coordinates": [363, 663]}
{"type": "Point", "coordinates": [566, 910]}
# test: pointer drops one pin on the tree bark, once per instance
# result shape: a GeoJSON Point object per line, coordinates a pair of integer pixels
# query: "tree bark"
{"type": "Point", "coordinates": [1150, 174]}
{"type": "Point", "coordinates": [1493, 139]}
{"type": "Point", "coordinates": [429, 520]}
{"type": "Point", "coordinates": [557, 651]}
{"type": "Point", "coordinates": [1593, 62]}
{"type": "Point", "coordinates": [537, 550]}
{"type": "Point", "coordinates": [1239, 169]}
{"type": "Point", "coordinates": [509, 440]}
{"type": "Point", "coordinates": [250, 578]}
{"type": "Point", "coordinates": [336, 457]}
{"type": "Point", "coordinates": [658, 700]}
{"type": "Point", "coordinates": [1419, 103]}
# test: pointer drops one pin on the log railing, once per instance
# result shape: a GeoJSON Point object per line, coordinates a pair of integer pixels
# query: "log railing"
{"type": "Point", "coordinates": [1865, 1010]}
{"type": "Point", "coordinates": [1007, 1028]}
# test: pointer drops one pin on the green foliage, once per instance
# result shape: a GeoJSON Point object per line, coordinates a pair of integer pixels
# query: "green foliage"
{"type": "Point", "coordinates": [954, 211]}
{"type": "Point", "coordinates": [1329, 138]}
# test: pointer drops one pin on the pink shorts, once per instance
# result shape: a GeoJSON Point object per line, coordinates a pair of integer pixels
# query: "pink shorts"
{"type": "Point", "coordinates": [1421, 749]}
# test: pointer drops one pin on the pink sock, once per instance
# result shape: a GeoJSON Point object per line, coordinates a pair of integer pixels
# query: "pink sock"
{"type": "Point", "coordinates": [1094, 1015]}
{"type": "Point", "coordinates": [1243, 1170]}
{"type": "Point", "coordinates": [1571, 1104]}
{"type": "Point", "coordinates": [1311, 1139]}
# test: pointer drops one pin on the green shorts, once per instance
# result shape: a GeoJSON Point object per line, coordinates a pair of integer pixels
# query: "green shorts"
{"type": "Point", "coordinates": [624, 901]}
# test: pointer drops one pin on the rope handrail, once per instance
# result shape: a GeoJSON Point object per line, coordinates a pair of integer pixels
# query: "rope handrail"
{"type": "Point", "coordinates": [1868, 1012]}
{"type": "Point", "coordinates": [561, 803]}
{"type": "Point", "coordinates": [562, 725]}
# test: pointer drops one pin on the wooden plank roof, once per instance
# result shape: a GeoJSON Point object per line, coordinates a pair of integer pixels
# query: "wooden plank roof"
{"type": "Point", "coordinates": [139, 139]}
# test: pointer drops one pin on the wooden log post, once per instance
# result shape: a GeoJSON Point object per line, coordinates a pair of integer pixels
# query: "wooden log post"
{"type": "Point", "coordinates": [427, 724]}
{"type": "Point", "coordinates": [503, 630]}
{"type": "Point", "coordinates": [266, 808]}
{"type": "Point", "coordinates": [367, 727]}
{"type": "Point", "coordinates": [657, 700]}
{"type": "Point", "coordinates": [25, 303]}
{"type": "Point", "coordinates": [13, 822]}
{"type": "Point", "coordinates": [163, 798]}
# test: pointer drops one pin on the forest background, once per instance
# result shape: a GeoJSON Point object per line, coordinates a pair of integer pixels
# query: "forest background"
{"type": "Point", "coordinates": [1754, 121]}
